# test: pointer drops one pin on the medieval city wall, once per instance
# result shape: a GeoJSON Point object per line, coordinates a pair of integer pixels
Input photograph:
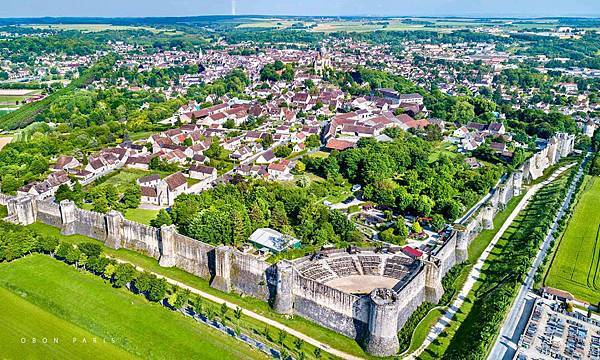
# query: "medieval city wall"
{"type": "Point", "coordinates": [411, 296]}
{"type": "Point", "coordinates": [345, 313]}
{"type": "Point", "coordinates": [141, 238]}
{"type": "Point", "coordinates": [49, 213]}
{"type": "Point", "coordinates": [447, 254]}
{"type": "Point", "coordinates": [193, 256]}
{"type": "Point", "coordinates": [249, 275]}
{"type": "Point", "coordinates": [90, 224]}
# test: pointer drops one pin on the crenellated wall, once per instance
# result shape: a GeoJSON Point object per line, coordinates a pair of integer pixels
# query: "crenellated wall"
{"type": "Point", "coordinates": [49, 213]}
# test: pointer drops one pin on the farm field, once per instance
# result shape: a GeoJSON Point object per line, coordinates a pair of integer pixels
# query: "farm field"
{"type": "Point", "coordinates": [143, 329]}
{"type": "Point", "coordinates": [93, 27]}
{"type": "Point", "coordinates": [576, 265]}
{"type": "Point", "coordinates": [23, 320]}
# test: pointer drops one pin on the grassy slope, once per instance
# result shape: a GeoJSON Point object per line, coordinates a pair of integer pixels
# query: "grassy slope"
{"type": "Point", "coordinates": [144, 329]}
{"type": "Point", "coordinates": [23, 320]}
{"type": "Point", "coordinates": [476, 248]}
{"type": "Point", "coordinates": [298, 323]}
{"type": "Point", "coordinates": [575, 267]}
{"type": "Point", "coordinates": [464, 317]}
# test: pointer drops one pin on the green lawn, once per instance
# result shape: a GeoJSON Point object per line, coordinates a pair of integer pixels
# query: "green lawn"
{"type": "Point", "coordinates": [28, 331]}
{"type": "Point", "coordinates": [146, 330]}
{"type": "Point", "coordinates": [576, 265]}
{"type": "Point", "coordinates": [142, 216]}
{"type": "Point", "coordinates": [258, 306]}
{"type": "Point", "coordinates": [124, 178]}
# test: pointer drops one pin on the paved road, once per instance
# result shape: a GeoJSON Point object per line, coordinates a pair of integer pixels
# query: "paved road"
{"type": "Point", "coordinates": [254, 315]}
{"type": "Point", "coordinates": [514, 324]}
{"type": "Point", "coordinates": [475, 273]}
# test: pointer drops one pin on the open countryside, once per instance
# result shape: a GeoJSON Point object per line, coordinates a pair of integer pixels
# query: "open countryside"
{"type": "Point", "coordinates": [576, 266]}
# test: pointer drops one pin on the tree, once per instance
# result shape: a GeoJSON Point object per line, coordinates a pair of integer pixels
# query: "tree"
{"type": "Point", "coordinates": [416, 228]}
{"type": "Point", "coordinates": [162, 218]}
{"type": "Point", "coordinates": [237, 313]}
{"type": "Point", "coordinates": [46, 244]}
{"type": "Point", "coordinates": [317, 353]}
{"type": "Point", "coordinates": [100, 205]}
{"type": "Point", "coordinates": [298, 344]}
{"type": "Point", "coordinates": [198, 305]}
{"type": "Point", "coordinates": [90, 249]}
{"type": "Point", "coordinates": [10, 184]}
{"type": "Point", "coordinates": [109, 270]}
{"type": "Point", "coordinates": [281, 337]}
{"type": "Point", "coordinates": [401, 229]}
{"type": "Point", "coordinates": [312, 141]}
{"type": "Point", "coordinates": [223, 311]}
{"type": "Point", "coordinates": [462, 112]}
{"type": "Point", "coordinates": [124, 274]}
{"type": "Point", "coordinates": [158, 289]}
{"type": "Point", "coordinates": [131, 198]}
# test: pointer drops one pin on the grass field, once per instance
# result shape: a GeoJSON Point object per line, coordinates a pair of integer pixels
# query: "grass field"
{"type": "Point", "coordinates": [576, 265]}
{"type": "Point", "coordinates": [144, 329]}
{"type": "Point", "coordinates": [258, 306]}
{"type": "Point", "coordinates": [123, 178]}
{"type": "Point", "coordinates": [32, 332]}
{"type": "Point", "coordinates": [140, 215]}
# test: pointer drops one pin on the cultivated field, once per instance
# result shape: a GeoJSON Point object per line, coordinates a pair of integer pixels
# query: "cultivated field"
{"type": "Point", "coordinates": [81, 302]}
{"type": "Point", "coordinates": [576, 266]}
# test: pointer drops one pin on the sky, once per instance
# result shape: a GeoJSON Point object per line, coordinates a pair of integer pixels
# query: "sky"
{"type": "Point", "coordinates": [143, 8]}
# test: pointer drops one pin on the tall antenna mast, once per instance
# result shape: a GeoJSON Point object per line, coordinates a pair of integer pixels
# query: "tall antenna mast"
{"type": "Point", "coordinates": [233, 3]}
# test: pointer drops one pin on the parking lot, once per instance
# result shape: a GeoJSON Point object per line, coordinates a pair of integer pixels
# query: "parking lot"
{"type": "Point", "coordinates": [551, 333]}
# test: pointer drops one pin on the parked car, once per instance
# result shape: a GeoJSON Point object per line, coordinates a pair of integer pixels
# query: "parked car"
{"type": "Point", "coordinates": [356, 188]}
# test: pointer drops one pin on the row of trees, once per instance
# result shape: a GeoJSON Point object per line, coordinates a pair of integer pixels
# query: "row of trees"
{"type": "Point", "coordinates": [506, 273]}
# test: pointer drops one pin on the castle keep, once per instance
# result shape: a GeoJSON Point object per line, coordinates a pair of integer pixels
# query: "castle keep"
{"type": "Point", "coordinates": [367, 295]}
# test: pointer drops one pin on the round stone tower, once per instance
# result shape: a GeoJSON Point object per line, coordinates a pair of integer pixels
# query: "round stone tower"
{"type": "Point", "coordinates": [284, 296]}
{"type": "Point", "coordinates": [382, 336]}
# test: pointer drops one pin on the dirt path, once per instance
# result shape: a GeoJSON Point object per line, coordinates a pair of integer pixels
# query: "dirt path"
{"type": "Point", "coordinates": [5, 140]}
{"type": "Point", "coordinates": [475, 273]}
